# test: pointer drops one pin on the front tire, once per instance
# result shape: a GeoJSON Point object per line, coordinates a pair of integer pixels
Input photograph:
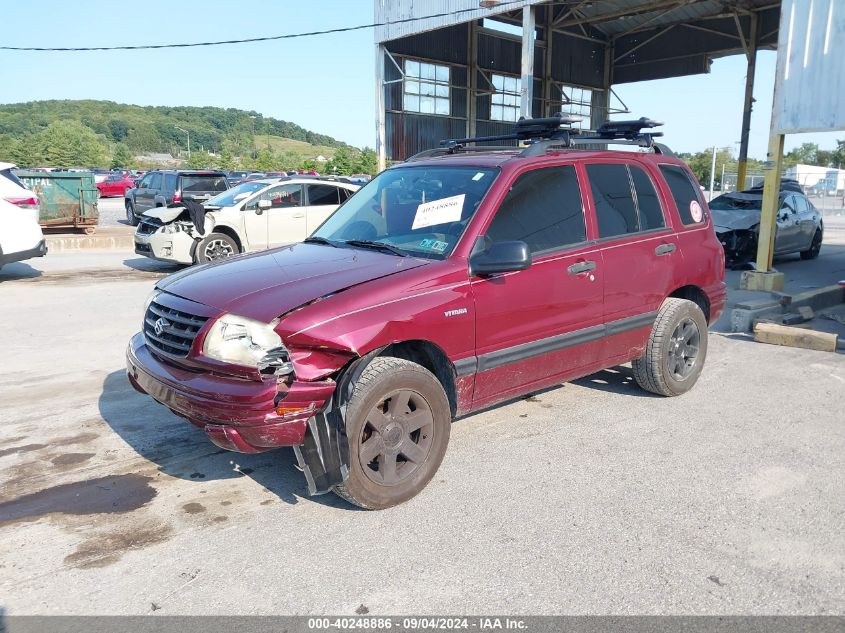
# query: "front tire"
{"type": "Point", "coordinates": [214, 247]}
{"type": "Point", "coordinates": [676, 349]}
{"type": "Point", "coordinates": [815, 247]}
{"type": "Point", "coordinates": [130, 214]}
{"type": "Point", "coordinates": [397, 423]}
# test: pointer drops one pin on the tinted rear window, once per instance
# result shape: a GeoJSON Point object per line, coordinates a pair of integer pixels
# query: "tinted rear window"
{"type": "Point", "coordinates": [202, 183]}
{"type": "Point", "coordinates": [615, 209]}
{"type": "Point", "coordinates": [322, 195]}
{"type": "Point", "coordinates": [685, 193]}
{"type": "Point", "coordinates": [651, 215]}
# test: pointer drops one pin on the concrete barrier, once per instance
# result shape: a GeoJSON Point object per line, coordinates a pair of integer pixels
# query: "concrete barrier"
{"type": "Point", "coordinates": [112, 237]}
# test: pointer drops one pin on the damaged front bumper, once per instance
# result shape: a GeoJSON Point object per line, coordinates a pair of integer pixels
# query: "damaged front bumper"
{"type": "Point", "coordinates": [740, 245]}
{"type": "Point", "coordinates": [176, 247]}
{"type": "Point", "coordinates": [247, 416]}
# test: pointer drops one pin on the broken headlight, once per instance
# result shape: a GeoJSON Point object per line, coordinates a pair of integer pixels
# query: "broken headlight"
{"type": "Point", "coordinates": [241, 341]}
{"type": "Point", "coordinates": [175, 227]}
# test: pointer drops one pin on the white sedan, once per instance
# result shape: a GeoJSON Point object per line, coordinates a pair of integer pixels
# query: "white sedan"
{"type": "Point", "coordinates": [21, 237]}
{"type": "Point", "coordinates": [254, 216]}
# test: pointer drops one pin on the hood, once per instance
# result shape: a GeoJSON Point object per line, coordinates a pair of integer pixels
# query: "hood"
{"type": "Point", "coordinates": [165, 214]}
{"type": "Point", "coordinates": [266, 285]}
{"type": "Point", "coordinates": [734, 219]}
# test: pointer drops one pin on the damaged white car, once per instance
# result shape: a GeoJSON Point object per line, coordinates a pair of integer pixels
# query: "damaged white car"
{"type": "Point", "coordinates": [736, 218]}
{"type": "Point", "coordinates": [253, 216]}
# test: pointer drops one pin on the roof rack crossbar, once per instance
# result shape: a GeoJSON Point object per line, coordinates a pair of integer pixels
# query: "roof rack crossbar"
{"type": "Point", "coordinates": [548, 133]}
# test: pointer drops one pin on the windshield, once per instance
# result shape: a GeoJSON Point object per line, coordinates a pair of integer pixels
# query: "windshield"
{"type": "Point", "coordinates": [735, 203]}
{"type": "Point", "coordinates": [421, 210]}
{"type": "Point", "coordinates": [232, 196]}
{"type": "Point", "coordinates": [203, 184]}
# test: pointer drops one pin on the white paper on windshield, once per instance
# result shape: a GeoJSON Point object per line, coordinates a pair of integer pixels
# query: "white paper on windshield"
{"type": "Point", "coordinates": [439, 212]}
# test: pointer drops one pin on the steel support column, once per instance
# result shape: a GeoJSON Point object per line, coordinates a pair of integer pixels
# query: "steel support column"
{"type": "Point", "coordinates": [472, 80]}
{"type": "Point", "coordinates": [381, 148]}
{"type": "Point", "coordinates": [527, 100]}
{"type": "Point", "coordinates": [771, 196]}
{"type": "Point", "coordinates": [751, 53]}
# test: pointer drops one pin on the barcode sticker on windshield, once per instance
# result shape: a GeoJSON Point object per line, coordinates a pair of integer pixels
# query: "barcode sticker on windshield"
{"type": "Point", "coordinates": [439, 212]}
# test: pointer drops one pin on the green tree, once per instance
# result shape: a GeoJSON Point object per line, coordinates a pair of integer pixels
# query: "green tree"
{"type": "Point", "coordinates": [121, 157]}
{"type": "Point", "coordinates": [225, 160]}
{"type": "Point", "coordinates": [68, 144]}
{"type": "Point", "coordinates": [200, 160]}
{"type": "Point", "coordinates": [700, 164]}
{"type": "Point", "coordinates": [119, 129]}
{"type": "Point", "coordinates": [367, 162]}
{"type": "Point", "coordinates": [265, 161]}
{"type": "Point", "coordinates": [342, 163]}
{"type": "Point", "coordinates": [806, 154]}
{"type": "Point", "coordinates": [837, 158]}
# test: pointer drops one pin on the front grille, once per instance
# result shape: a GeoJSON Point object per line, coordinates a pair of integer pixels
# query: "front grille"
{"type": "Point", "coordinates": [148, 226]}
{"type": "Point", "coordinates": [142, 248]}
{"type": "Point", "coordinates": [177, 330]}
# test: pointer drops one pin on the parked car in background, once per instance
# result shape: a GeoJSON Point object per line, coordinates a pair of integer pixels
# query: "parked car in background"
{"type": "Point", "coordinates": [115, 185]}
{"type": "Point", "coordinates": [446, 285]}
{"type": "Point", "coordinates": [12, 190]}
{"type": "Point", "coordinates": [235, 177]}
{"type": "Point", "coordinates": [253, 216]}
{"type": "Point", "coordinates": [736, 218]}
{"type": "Point", "coordinates": [20, 237]}
{"type": "Point", "coordinates": [164, 186]}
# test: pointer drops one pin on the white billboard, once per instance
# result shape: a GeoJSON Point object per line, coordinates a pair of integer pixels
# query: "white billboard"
{"type": "Point", "coordinates": [810, 80]}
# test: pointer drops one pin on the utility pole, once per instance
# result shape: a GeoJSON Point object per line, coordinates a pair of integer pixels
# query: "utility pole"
{"type": "Point", "coordinates": [712, 175]}
{"type": "Point", "coordinates": [189, 139]}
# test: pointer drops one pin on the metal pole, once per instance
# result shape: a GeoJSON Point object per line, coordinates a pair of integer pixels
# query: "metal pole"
{"type": "Point", "coordinates": [181, 129]}
{"type": "Point", "coordinates": [742, 164]}
{"type": "Point", "coordinates": [381, 150]}
{"type": "Point", "coordinates": [472, 83]}
{"type": "Point", "coordinates": [722, 181]}
{"type": "Point", "coordinates": [712, 175]}
{"type": "Point", "coordinates": [526, 103]}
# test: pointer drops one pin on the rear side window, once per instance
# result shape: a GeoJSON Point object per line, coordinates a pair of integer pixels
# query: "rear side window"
{"type": "Point", "coordinates": [648, 204]}
{"type": "Point", "coordinates": [155, 181]}
{"type": "Point", "coordinates": [542, 209]}
{"type": "Point", "coordinates": [203, 183]}
{"type": "Point", "coordinates": [170, 182]}
{"type": "Point", "coordinates": [685, 193]}
{"type": "Point", "coordinates": [616, 211]}
{"type": "Point", "coordinates": [322, 195]}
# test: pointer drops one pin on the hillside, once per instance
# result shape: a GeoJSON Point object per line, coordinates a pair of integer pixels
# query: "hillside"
{"type": "Point", "coordinates": [52, 131]}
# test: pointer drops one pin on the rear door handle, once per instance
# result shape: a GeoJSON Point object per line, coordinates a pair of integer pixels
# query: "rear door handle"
{"type": "Point", "coordinates": [581, 267]}
{"type": "Point", "coordinates": [665, 249]}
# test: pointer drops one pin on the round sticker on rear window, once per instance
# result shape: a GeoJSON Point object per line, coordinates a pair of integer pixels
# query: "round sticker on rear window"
{"type": "Point", "coordinates": [695, 211]}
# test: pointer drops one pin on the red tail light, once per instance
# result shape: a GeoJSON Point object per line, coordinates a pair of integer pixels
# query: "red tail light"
{"type": "Point", "coordinates": [177, 196]}
{"type": "Point", "coordinates": [24, 203]}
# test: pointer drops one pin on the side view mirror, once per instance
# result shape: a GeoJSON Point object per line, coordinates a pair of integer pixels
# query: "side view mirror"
{"type": "Point", "coordinates": [500, 257]}
{"type": "Point", "coordinates": [264, 204]}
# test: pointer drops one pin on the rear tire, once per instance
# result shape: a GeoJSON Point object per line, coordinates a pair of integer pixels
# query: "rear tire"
{"type": "Point", "coordinates": [397, 423]}
{"type": "Point", "coordinates": [815, 247]}
{"type": "Point", "coordinates": [214, 247]}
{"type": "Point", "coordinates": [676, 349]}
{"type": "Point", "coordinates": [130, 213]}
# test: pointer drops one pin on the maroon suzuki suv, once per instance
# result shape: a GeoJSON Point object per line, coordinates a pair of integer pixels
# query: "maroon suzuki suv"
{"type": "Point", "coordinates": [461, 278]}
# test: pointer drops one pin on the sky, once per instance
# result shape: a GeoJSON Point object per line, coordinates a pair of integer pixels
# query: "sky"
{"type": "Point", "coordinates": [323, 83]}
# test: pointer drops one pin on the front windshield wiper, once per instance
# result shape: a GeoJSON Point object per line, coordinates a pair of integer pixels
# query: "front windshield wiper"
{"type": "Point", "coordinates": [320, 240]}
{"type": "Point", "coordinates": [378, 245]}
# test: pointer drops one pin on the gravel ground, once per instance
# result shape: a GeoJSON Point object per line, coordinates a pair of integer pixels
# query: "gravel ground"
{"type": "Point", "coordinates": [112, 212]}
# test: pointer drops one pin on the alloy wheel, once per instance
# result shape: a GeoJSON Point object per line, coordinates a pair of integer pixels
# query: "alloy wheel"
{"type": "Point", "coordinates": [683, 349]}
{"type": "Point", "coordinates": [218, 249]}
{"type": "Point", "coordinates": [396, 438]}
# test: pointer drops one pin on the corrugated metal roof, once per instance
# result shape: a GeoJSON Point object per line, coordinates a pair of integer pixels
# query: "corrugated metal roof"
{"type": "Point", "coordinates": [408, 17]}
{"type": "Point", "coordinates": [610, 17]}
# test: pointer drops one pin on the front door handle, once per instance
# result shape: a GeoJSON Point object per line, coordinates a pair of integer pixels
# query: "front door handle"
{"type": "Point", "coordinates": [665, 249]}
{"type": "Point", "coordinates": [581, 267]}
{"type": "Point", "coordinates": [298, 215]}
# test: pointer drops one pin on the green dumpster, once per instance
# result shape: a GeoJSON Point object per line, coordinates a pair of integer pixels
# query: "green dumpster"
{"type": "Point", "coordinates": [68, 199]}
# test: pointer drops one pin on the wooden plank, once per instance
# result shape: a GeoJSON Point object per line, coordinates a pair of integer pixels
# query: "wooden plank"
{"type": "Point", "coordinates": [775, 334]}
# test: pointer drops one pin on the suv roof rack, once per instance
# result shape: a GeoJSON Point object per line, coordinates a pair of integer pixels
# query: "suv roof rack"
{"type": "Point", "coordinates": [548, 133]}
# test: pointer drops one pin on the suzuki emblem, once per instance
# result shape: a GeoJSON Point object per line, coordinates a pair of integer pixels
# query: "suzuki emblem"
{"type": "Point", "coordinates": [160, 326]}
